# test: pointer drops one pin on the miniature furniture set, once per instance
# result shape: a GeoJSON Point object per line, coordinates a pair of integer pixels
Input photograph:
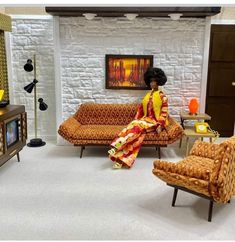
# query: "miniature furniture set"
{"type": "Point", "coordinates": [98, 124]}
{"type": "Point", "coordinates": [209, 172]}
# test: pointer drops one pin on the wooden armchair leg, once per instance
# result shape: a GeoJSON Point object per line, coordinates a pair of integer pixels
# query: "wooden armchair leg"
{"type": "Point", "coordinates": [82, 148]}
{"type": "Point", "coordinates": [174, 197]}
{"type": "Point", "coordinates": [210, 211]}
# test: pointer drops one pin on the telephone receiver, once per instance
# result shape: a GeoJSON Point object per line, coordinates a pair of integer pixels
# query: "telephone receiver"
{"type": "Point", "coordinates": [202, 127]}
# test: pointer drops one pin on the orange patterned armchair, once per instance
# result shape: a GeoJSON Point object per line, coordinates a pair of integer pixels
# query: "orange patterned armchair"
{"type": "Point", "coordinates": [209, 172]}
{"type": "Point", "coordinates": [98, 124]}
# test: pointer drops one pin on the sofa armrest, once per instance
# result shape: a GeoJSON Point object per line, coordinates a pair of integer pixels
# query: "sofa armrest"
{"type": "Point", "coordinates": [207, 150]}
{"type": "Point", "coordinates": [181, 169]}
{"type": "Point", "coordinates": [174, 130]}
{"type": "Point", "coordinates": [69, 126]}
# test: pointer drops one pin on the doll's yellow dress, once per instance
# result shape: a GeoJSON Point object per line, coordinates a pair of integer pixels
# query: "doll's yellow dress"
{"type": "Point", "coordinates": [151, 116]}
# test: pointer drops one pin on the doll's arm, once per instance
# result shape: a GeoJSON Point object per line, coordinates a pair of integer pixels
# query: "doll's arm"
{"type": "Point", "coordinates": [140, 112]}
{"type": "Point", "coordinates": [163, 113]}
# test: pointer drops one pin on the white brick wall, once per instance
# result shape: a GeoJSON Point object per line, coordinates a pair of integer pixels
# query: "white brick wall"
{"type": "Point", "coordinates": [34, 36]}
{"type": "Point", "coordinates": [177, 47]}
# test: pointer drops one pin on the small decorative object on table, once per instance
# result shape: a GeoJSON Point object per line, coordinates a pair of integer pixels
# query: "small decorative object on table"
{"type": "Point", "coordinates": [2, 102]}
{"type": "Point", "coordinates": [193, 106]}
{"type": "Point", "coordinates": [29, 66]}
{"type": "Point", "coordinates": [196, 130]}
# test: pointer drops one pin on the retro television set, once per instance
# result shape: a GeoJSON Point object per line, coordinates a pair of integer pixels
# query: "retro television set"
{"type": "Point", "coordinates": [13, 131]}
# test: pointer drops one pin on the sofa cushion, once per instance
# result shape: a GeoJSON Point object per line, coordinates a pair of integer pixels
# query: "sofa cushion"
{"type": "Point", "coordinates": [106, 114]}
{"type": "Point", "coordinates": [109, 132]}
{"type": "Point", "coordinates": [103, 122]}
{"type": "Point", "coordinates": [97, 132]}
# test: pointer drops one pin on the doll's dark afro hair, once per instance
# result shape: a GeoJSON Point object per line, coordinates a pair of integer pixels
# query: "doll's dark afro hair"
{"type": "Point", "coordinates": [156, 73]}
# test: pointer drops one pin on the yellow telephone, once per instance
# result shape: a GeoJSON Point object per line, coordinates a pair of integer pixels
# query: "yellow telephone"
{"type": "Point", "coordinates": [202, 128]}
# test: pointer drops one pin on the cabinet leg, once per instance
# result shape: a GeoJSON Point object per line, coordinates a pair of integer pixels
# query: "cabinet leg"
{"type": "Point", "coordinates": [18, 157]}
{"type": "Point", "coordinates": [210, 139]}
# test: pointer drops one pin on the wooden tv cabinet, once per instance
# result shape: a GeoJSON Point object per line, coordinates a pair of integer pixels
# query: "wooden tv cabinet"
{"type": "Point", "coordinates": [8, 114]}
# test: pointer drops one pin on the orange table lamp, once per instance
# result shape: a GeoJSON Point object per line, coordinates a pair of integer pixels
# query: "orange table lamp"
{"type": "Point", "coordinates": [193, 106]}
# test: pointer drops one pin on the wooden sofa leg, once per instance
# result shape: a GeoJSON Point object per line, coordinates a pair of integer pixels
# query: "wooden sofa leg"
{"type": "Point", "coordinates": [228, 201]}
{"type": "Point", "coordinates": [180, 143]}
{"type": "Point", "coordinates": [210, 211]}
{"type": "Point", "coordinates": [82, 148]}
{"type": "Point", "coordinates": [174, 196]}
{"type": "Point", "coordinates": [159, 152]}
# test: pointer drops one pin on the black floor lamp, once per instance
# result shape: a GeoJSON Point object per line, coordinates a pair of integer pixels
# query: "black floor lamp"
{"type": "Point", "coordinates": [31, 66]}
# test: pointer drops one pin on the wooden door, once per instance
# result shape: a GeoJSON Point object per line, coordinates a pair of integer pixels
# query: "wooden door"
{"type": "Point", "coordinates": [220, 98]}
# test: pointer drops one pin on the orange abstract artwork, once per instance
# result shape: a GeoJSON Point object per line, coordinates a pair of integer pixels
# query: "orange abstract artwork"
{"type": "Point", "coordinates": [127, 72]}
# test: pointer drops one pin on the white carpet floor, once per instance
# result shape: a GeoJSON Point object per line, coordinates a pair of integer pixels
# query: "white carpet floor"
{"type": "Point", "coordinates": [52, 194]}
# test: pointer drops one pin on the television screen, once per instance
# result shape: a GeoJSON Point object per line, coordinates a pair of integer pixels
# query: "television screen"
{"type": "Point", "coordinates": [12, 132]}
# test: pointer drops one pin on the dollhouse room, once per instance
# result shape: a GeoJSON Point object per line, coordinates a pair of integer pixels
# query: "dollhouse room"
{"type": "Point", "coordinates": [117, 122]}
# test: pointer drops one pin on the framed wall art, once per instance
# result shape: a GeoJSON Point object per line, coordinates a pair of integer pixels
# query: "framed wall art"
{"type": "Point", "coordinates": [127, 71]}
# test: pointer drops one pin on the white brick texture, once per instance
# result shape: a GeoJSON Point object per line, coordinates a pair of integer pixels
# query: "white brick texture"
{"type": "Point", "coordinates": [177, 47]}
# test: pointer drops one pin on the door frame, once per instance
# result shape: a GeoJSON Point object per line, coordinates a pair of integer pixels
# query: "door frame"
{"type": "Point", "coordinates": [209, 22]}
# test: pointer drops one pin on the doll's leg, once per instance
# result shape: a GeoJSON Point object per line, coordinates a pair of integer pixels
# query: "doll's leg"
{"type": "Point", "coordinates": [128, 154]}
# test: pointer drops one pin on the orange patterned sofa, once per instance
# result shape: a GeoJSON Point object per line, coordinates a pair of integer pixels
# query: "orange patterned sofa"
{"type": "Point", "coordinates": [209, 172]}
{"type": "Point", "coordinates": [98, 124]}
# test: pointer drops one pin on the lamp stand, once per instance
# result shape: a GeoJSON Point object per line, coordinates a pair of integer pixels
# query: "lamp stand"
{"type": "Point", "coordinates": [36, 142]}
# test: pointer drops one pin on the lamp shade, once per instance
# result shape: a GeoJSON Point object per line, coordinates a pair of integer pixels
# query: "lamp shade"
{"type": "Point", "coordinates": [30, 86]}
{"type": "Point", "coordinates": [193, 106]}
{"type": "Point", "coordinates": [28, 66]}
{"type": "Point", "coordinates": [42, 106]}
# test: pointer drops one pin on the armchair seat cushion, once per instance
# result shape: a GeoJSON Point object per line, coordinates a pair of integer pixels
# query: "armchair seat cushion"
{"type": "Point", "coordinates": [209, 170]}
{"type": "Point", "coordinates": [191, 166]}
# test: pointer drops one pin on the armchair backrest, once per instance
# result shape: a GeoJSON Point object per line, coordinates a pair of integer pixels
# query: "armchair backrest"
{"type": "Point", "coordinates": [222, 177]}
{"type": "Point", "coordinates": [226, 175]}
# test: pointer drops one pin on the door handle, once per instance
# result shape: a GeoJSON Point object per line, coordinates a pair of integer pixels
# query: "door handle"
{"type": "Point", "coordinates": [233, 84]}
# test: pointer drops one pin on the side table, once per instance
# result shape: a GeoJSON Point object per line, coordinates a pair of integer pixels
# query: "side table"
{"type": "Point", "coordinates": [186, 116]}
{"type": "Point", "coordinates": [190, 132]}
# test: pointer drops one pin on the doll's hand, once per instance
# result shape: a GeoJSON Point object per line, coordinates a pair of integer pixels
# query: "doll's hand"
{"type": "Point", "coordinates": [159, 129]}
